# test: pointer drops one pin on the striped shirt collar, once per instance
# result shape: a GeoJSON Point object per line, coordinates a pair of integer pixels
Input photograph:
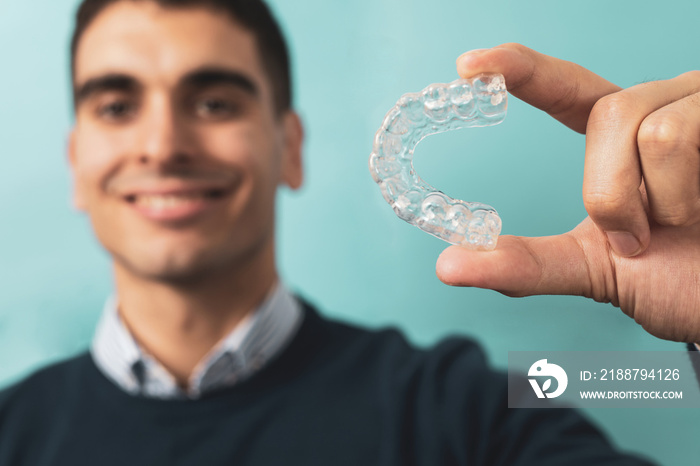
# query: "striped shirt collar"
{"type": "Point", "coordinates": [250, 345]}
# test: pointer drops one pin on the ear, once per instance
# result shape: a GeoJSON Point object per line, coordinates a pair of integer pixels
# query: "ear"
{"type": "Point", "coordinates": [292, 164]}
{"type": "Point", "coordinates": [78, 198]}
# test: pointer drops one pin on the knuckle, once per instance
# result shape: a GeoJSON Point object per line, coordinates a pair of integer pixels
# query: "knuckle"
{"type": "Point", "coordinates": [693, 75]}
{"type": "Point", "coordinates": [612, 107]}
{"type": "Point", "coordinates": [514, 46]}
{"type": "Point", "coordinates": [661, 134]}
{"type": "Point", "coordinates": [671, 219]}
{"type": "Point", "coordinates": [603, 204]}
{"type": "Point", "coordinates": [677, 215]}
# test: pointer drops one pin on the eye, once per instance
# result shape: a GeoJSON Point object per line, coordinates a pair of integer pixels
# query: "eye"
{"type": "Point", "coordinates": [215, 108]}
{"type": "Point", "coordinates": [116, 110]}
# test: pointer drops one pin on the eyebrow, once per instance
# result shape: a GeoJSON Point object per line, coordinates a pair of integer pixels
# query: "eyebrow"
{"type": "Point", "coordinates": [200, 78]}
{"type": "Point", "coordinates": [212, 76]}
{"type": "Point", "coordinates": [108, 82]}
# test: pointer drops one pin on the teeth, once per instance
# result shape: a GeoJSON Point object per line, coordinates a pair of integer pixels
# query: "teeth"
{"type": "Point", "coordinates": [167, 201]}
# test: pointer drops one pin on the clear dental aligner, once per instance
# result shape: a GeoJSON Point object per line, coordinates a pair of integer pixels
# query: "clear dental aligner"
{"type": "Point", "coordinates": [464, 103]}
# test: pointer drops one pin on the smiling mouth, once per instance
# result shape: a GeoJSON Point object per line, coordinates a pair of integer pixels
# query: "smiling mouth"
{"type": "Point", "coordinates": [169, 207]}
{"type": "Point", "coordinates": [174, 198]}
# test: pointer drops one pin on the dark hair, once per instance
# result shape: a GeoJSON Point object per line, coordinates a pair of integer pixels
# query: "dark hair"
{"type": "Point", "coordinates": [254, 15]}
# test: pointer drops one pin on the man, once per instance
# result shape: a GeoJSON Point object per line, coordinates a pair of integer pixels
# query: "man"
{"type": "Point", "coordinates": [184, 130]}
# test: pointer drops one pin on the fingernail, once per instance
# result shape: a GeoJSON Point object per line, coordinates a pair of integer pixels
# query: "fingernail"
{"type": "Point", "coordinates": [623, 243]}
{"type": "Point", "coordinates": [466, 57]}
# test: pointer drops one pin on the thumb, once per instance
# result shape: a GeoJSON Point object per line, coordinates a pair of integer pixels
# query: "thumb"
{"type": "Point", "coordinates": [520, 266]}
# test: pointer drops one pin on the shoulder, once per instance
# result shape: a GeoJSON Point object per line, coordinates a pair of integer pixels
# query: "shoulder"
{"type": "Point", "coordinates": [42, 387]}
{"type": "Point", "coordinates": [36, 407]}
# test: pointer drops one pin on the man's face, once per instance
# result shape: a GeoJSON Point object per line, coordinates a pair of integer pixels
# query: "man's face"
{"type": "Point", "coordinates": [177, 150]}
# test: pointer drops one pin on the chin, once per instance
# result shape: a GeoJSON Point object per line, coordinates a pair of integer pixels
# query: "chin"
{"type": "Point", "coordinates": [175, 268]}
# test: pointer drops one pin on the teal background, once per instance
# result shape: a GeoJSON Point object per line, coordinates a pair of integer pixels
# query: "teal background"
{"type": "Point", "coordinates": [339, 242]}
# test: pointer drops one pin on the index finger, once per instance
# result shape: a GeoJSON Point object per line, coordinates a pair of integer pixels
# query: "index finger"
{"type": "Point", "coordinates": [563, 89]}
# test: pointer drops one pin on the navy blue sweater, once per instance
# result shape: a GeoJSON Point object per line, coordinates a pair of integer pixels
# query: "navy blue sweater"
{"type": "Point", "coordinates": [338, 395]}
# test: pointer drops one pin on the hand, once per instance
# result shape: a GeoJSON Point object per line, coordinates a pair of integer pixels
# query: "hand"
{"type": "Point", "coordinates": [640, 246]}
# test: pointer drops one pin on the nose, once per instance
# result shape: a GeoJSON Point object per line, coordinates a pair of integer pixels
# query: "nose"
{"type": "Point", "coordinates": [164, 135]}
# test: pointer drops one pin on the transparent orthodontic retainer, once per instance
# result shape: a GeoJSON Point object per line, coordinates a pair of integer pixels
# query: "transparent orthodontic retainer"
{"type": "Point", "coordinates": [464, 103]}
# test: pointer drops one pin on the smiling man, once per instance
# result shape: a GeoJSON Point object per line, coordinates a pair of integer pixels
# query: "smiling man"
{"type": "Point", "coordinates": [184, 131]}
{"type": "Point", "coordinates": [181, 140]}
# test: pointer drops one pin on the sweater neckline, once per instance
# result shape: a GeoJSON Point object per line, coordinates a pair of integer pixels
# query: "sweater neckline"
{"type": "Point", "coordinates": [307, 346]}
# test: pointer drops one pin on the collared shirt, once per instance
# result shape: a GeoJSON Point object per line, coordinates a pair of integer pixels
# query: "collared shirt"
{"type": "Point", "coordinates": [255, 340]}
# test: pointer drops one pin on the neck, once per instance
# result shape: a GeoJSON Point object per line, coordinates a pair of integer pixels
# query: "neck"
{"type": "Point", "coordinates": [178, 324]}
